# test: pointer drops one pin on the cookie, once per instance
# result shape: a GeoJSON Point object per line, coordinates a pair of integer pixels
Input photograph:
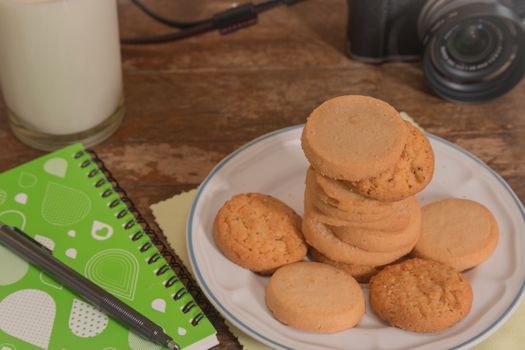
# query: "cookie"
{"type": "Point", "coordinates": [319, 236]}
{"type": "Point", "coordinates": [358, 210]}
{"type": "Point", "coordinates": [353, 137]}
{"type": "Point", "coordinates": [341, 192]}
{"type": "Point", "coordinates": [315, 297]}
{"type": "Point", "coordinates": [410, 175]}
{"type": "Point", "coordinates": [330, 209]}
{"type": "Point", "coordinates": [382, 241]}
{"type": "Point", "coordinates": [457, 232]}
{"type": "Point", "coordinates": [259, 232]}
{"type": "Point", "coordinates": [396, 221]}
{"type": "Point", "coordinates": [361, 273]}
{"type": "Point", "coordinates": [420, 295]}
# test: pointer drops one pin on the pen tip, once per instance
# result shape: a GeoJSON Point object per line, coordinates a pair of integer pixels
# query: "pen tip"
{"type": "Point", "coordinates": [173, 346]}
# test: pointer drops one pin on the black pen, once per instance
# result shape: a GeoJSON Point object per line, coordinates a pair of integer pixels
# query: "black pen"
{"type": "Point", "coordinates": [41, 257]}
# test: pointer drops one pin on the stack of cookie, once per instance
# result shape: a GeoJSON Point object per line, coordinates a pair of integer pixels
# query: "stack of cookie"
{"type": "Point", "coordinates": [367, 164]}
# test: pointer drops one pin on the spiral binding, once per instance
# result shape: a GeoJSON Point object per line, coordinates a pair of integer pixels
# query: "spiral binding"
{"type": "Point", "coordinates": [142, 229]}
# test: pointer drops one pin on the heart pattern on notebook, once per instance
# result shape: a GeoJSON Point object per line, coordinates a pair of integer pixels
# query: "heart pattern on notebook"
{"type": "Point", "coordinates": [7, 347]}
{"type": "Point", "coordinates": [63, 205]}
{"type": "Point", "coordinates": [159, 305]}
{"type": "Point", "coordinates": [12, 268]}
{"type": "Point", "coordinates": [14, 218]}
{"type": "Point", "coordinates": [50, 282]}
{"type": "Point", "coordinates": [21, 198]}
{"type": "Point", "coordinates": [139, 343]}
{"type": "Point", "coordinates": [86, 321]}
{"type": "Point", "coordinates": [57, 167]}
{"type": "Point", "coordinates": [45, 241]}
{"type": "Point", "coordinates": [115, 270]}
{"type": "Point", "coordinates": [28, 315]}
{"type": "Point", "coordinates": [71, 253]}
{"type": "Point", "coordinates": [26, 180]}
{"type": "Point", "coordinates": [101, 231]}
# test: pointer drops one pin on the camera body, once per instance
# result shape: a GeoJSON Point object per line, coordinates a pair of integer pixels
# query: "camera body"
{"type": "Point", "coordinates": [384, 30]}
{"type": "Point", "coordinates": [472, 50]}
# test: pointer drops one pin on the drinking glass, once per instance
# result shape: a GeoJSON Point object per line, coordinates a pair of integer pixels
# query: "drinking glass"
{"type": "Point", "coordinates": [60, 70]}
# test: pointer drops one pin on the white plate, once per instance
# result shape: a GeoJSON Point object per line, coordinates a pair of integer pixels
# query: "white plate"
{"type": "Point", "coordinates": [274, 164]}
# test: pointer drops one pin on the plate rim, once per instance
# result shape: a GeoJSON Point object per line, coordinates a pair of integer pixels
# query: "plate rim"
{"type": "Point", "coordinates": [253, 333]}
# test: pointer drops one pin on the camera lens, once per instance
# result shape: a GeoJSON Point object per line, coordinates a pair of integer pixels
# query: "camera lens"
{"type": "Point", "coordinates": [472, 42]}
{"type": "Point", "coordinates": [474, 51]}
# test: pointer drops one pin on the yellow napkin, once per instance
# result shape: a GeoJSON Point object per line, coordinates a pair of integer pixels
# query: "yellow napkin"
{"type": "Point", "coordinates": [171, 216]}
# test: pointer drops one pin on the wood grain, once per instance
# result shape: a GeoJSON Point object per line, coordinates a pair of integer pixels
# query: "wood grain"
{"type": "Point", "coordinates": [192, 102]}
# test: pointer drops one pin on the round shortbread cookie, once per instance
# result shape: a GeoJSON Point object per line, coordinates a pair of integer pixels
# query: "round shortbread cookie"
{"type": "Point", "coordinates": [420, 295]}
{"type": "Point", "coordinates": [457, 232]}
{"type": "Point", "coordinates": [382, 241]}
{"type": "Point", "coordinates": [342, 193]}
{"type": "Point", "coordinates": [315, 297]}
{"type": "Point", "coordinates": [259, 232]}
{"type": "Point", "coordinates": [360, 210]}
{"type": "Point", "coordinates": [396, 221]}
{"type": "Point", "coordinates": [347, 215]}
{"type": "Point", "coordinates": [410, 175]}
{"type": "Point", "coordinates": [361, 273]}
{"type": "Point", "coordinates": [353, 137]}
{"type": "Point", "coordinates": [319, 236]}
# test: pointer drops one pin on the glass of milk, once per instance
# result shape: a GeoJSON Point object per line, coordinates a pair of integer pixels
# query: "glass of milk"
{"type": "Point", "coordinates": [60, 70]}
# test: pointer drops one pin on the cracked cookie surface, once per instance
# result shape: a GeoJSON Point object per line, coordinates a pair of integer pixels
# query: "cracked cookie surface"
{"type": "Point", "coordinates": [359, 209]}
{"type": "Point", "coordinates": [259, 232]}
{"type": "Point", "coordinates": [420, 295]}
{"type": "Point", "coordinates": [410, 175]}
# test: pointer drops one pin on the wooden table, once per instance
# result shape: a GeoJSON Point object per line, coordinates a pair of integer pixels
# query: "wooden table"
{"type": "Point", "coordinates": [192, 102]}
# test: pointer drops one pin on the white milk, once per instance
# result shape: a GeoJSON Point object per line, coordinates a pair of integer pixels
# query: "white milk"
{"type": "Point", "coordinates": [60, 69]}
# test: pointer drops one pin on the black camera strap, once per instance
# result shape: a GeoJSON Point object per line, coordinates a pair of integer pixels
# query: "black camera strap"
{"type": "Point", "coordinates": [226, 22]}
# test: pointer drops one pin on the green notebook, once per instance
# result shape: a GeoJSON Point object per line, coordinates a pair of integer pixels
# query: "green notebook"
{"type": "Point", "coordinates": [65, 201]}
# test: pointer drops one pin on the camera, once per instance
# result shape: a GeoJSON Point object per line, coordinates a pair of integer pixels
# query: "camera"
{"type": "Point", "coordinates": [471, 50]}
